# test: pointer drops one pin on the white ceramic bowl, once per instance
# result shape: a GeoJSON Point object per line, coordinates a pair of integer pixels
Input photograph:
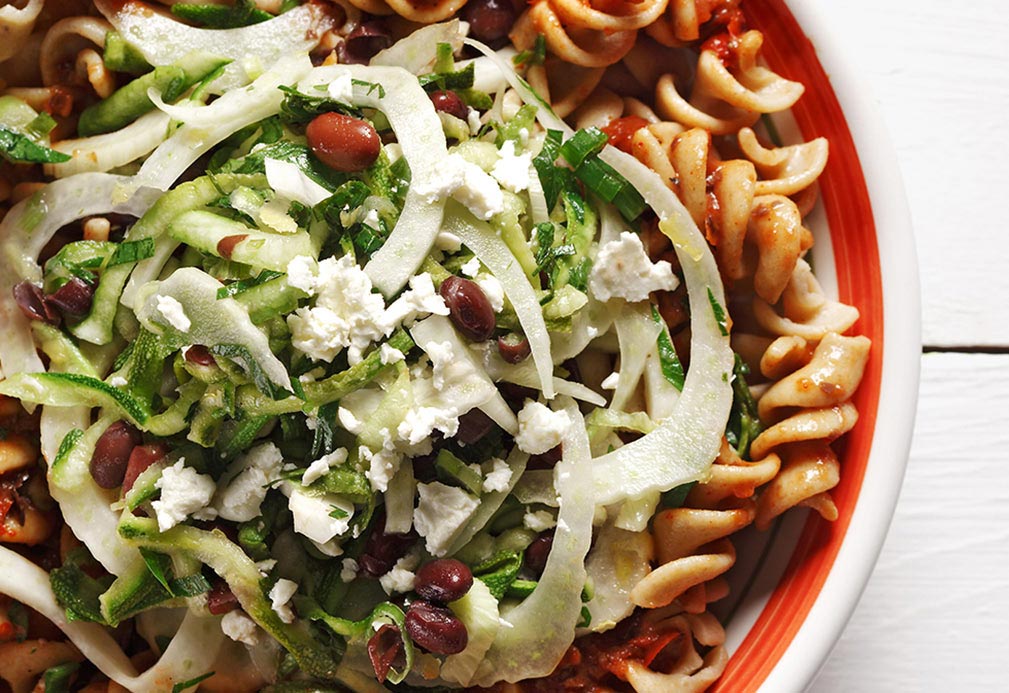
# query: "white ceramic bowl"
{"type": "Point", "coordinates": [797, 584]}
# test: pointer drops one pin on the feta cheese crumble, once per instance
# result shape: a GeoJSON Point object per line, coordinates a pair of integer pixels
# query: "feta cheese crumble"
{"type": "Point", "coordinates": [390, 354]}
{"type": "Point", "coordinates": [346, 314]}
{"type": "Point", "coordinates": [280, 597]}
{"type": "Point", "coordinates": [240, 628]}
{"type": "Point", "coordinates": [184, 492]}
{"type": "Point", "coordinates": [623, 270]}
{"type": "Point", "coordinates": [468, 184]}
{"type": "Point", "coordinates": [401, 577]}
{"type": "Point", "coordinates": [538, 521]}
{"type": "Point", "coordinates": [342, 89]}
{"type": "Point", "coordinates": [441, 514]}
{"type": "Point", "coordinates": [348, 570]}
{"type": "Point", "coordinates": [321, 466]}
{"type": "Point", "coordinates": [420, 299]}
{"type": "Point", "coordinates": [250, 475]}
{"type": "Point", "coordinates": [173, 312]}
{"type": "Point", "coordinates": [512, 170]}
{"type": "Point", "coordinates": [498, 478]}
{"type": "Point", "coordinates": [118, 381]}
{"type": "Point", "coordinates": [540, 428]}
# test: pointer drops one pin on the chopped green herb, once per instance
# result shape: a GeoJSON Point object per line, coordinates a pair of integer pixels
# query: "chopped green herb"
{"type": "Point", "coordinates": [553, 178]}
{"type": "Point", "coordinates": [243, 285]}
{"type": "Point", "coordinates": [21, 149]}
{"type": "Point", "coordinates": [677, 496]}
{"type": "Point", "coordinates": [132, 251]}
{"type": "Point", "coordinates": [719, 312]}
{"type": "Point", "coordinates": [672, 368]}
{"type": "Point", "coordinates": [191, 683]}
{"type": "Point", "coordinates": [532, 56]}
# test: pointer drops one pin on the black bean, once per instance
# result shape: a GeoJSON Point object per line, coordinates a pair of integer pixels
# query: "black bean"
{"type": "Point", "coordinates": [32, 303]}
{"type": "Point", "coordinates": [112, 454]}
{"type": "Point", "coordinates": [435, 628]}
{"type": "Point", "coordinates": [537, 552]}
{"type": "Point", "coordinates": [200, 355]}
{"type": "Point", "coordinates": [513, 347]}
{"type": "Point", "coordinates": [73, 298]}
{"type": "Point", "coordinates": [361, 44]}
{"type": "Point", "coordinates": [468, 307]}
{"type": "Point", "coordinates": [220, 598]}
{"type": "Point", "coordinates": [489, 20]}
{"type": "Point", "coordinates": [342, 142]}
{"type": "Point", "coordinates": [449, 102]}
{"type": "Point", "coordinates": [382, 550]}
{"type": "Point", "coordinates": [443, 580]}
{"type": "Point", "coordinates": [473, 426]}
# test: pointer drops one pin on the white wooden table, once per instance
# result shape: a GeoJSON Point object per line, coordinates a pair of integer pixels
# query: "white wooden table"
{"type": "Point", "coordinates": [935, 614]}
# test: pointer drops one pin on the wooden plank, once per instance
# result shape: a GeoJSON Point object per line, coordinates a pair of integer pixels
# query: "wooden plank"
{"type": "Point", "coordinates": [934, 614]}
{"type": "Point", "coordinates": [938, 71]}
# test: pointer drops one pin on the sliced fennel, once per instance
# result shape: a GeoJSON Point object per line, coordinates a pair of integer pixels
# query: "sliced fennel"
{"type": "Point", "coordinates": [163, 40]}
{"type": "Point", "coordinates": [27, 228]}
{"type": "Point", "coordinates": [535, 634]}
{"type": "Point", "coordinates": [111, 150]}
{"type": "Point", "coordinates": [478, 610]}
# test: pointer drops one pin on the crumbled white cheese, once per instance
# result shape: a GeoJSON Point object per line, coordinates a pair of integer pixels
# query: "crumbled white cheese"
{"type": "Point", "coordinates": [472, 267]}
{"type": "Point", "coordinates": [401, 578]}
{"type": "Point", "coordinates": [280, 596]}
{"type": "Point", "coordinates": [348, 570]}
{"type": "Point", "coordinates": [265, 566]}
{"type": "Point", "coordinates": [473, 120]}
{"type": "Point", "coordinates": [342, 89]}
{"type": "Point", "coordinates": [441, 513]}
{"type": "Point", "coordinates": [390, 354]}
{"type": "Point", "coordinates": [320, 518]}
{"type": "Point", "coordinates": [498, 478]}
{"type": "Point", "coordinates": [184, 491]}
{"type": "Point", "coordinates": [240, 628]}
{"type": "Point", "coordinates": [610, 382]}
{"type": "Point", "coordinates": [512, 170]}
{"type": "Point", "coordinates": [371, 219]}
{"type": "Point", "coordinates": [382, 466]}
{"type": "Point", "coordinates": [623, 270]}
{"type": "Point", "coordinates": [347, 314]}
{"type": "Point", "coordinates": [540, 428]}
{"type": "Point", "coordinates": [467, 183]}
{"type": "Point", "coordinates": [539, 521]}
{"type": "Point", "coordinates": [350, 423]}
{"type": "Point", "coordinates": [291, 183]}
{"type": "Point", "coordinates": [420, 422]}
{"type": "Point", "coordinates": [118, 381]}
{"type": "Point", "coordinates": [250, 474]}
{"type": "Point", "coordinates": [447, 242]}
{"type": "Point", "coordinates": [301, 274]}
{"type": "Point", "coordinates": [173, 312]}
{"type": "Point", "coordinates": [442, 356]}
{"type": "Point", "coordinates": [321, 466]}
{"type": "Point", "coordinates": [420, 299]}
{"type": "Point", "coordinates": [492, 289]}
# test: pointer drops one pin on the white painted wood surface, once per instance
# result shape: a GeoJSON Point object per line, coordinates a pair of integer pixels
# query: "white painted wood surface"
{"type": "Point", "coordinates": [935, 613]}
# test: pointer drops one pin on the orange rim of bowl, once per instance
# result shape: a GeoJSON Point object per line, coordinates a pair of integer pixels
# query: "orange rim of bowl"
{"type": "Point", "coordinates": [853, 236]}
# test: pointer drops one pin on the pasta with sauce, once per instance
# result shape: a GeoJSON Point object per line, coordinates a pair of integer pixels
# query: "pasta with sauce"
{"type": "Point", "coordinates": [335, 333]}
